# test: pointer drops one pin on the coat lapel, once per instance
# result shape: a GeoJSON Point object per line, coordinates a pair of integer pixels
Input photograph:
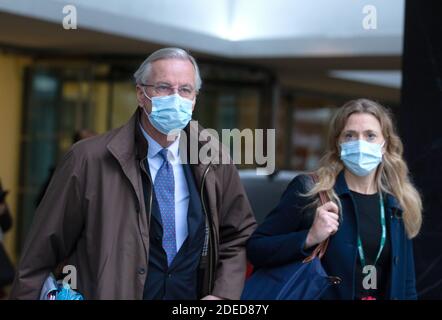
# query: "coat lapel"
{"type": "Point", "coordinates": [122, 147]}
{"type": "Point", "coordinates": [128, 149]}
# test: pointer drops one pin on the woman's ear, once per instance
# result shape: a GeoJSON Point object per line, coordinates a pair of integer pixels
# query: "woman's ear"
{"type": "Point", "coordinates": [338, 145]}
{"type": "Point", "coordinates": [384, 147]}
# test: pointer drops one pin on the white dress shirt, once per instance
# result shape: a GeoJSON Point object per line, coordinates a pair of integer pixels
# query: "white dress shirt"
{"type": "Point", "coordinates": [181, 189]}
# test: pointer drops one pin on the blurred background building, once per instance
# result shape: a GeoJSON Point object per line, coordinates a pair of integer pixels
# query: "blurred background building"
{"type": "Point", "coordinates": [265, 64]}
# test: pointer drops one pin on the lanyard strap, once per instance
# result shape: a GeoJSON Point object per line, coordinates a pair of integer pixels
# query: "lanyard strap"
{"type": "Point", "coordinates": [383, 236]}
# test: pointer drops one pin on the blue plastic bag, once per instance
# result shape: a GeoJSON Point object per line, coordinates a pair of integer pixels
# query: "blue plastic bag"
{"type": "Point", "coordinates": [58, 290]}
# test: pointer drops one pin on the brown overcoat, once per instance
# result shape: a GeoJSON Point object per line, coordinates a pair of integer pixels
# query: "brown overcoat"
{"type": "Point", "coordinates": [94, 217]}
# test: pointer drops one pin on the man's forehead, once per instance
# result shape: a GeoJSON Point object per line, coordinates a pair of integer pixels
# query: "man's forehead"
{"type": "Point", "coordinates": [173, 63]}
{"type": "Point", "coordinates": [181, 68]}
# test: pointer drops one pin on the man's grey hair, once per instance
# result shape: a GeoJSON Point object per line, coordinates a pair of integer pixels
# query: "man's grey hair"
{"type": "Point", "coordinates": [143, 72]}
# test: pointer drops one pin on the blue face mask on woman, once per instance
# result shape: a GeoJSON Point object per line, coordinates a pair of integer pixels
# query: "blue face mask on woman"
{"type": "Point", "coordinates": [361, 157]}
{"type": "Point", "coordinates": [169, 113]}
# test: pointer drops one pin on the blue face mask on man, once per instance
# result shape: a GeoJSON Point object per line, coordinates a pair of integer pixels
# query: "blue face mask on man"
{"type": "Point", "coordinates": [361, 157]}
{"type": "Point", "coordinates": [169, 113]}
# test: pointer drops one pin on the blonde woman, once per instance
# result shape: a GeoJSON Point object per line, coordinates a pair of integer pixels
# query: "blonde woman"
{"type": "Point", "coordinates": [374, 213]}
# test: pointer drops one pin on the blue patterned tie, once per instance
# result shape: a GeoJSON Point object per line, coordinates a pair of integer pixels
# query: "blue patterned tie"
{"type": "Point", "coordinates": [165, 193]}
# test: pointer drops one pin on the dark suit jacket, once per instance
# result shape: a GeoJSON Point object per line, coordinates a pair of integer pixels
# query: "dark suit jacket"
{"type": "Point", "coordinates": [180, 280]}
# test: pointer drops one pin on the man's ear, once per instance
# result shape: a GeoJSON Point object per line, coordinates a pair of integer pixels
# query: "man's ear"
{"type": "Point", "coordinates": [141, 98]}
{"type": "Point", "coordinates": [194, 102]}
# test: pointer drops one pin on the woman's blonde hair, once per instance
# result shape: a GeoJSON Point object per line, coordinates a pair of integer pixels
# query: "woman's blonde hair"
{"type": "Point", "coordinates": [392, 174]}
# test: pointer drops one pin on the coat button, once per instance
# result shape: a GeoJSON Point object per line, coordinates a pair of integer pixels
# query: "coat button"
{"type": "Point", "coordinates": [396, 260]}
{"type": "Point", "coordinates": [141, 270]}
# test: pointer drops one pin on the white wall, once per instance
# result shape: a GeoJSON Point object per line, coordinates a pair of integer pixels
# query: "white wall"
{"type": "Point", "coordinates": [203, 16]}
{"type": "Point", "coordinates": [265, 19]}
{"type": "Point", "coordinates": [238, 28]}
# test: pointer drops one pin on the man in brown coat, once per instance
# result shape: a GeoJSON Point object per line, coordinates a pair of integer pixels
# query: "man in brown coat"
{"type": "Point", "coordinates": [132, 217]}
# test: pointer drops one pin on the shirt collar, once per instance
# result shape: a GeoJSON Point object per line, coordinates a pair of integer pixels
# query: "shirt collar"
{"type": "Point", "coordinates": [155, 147]}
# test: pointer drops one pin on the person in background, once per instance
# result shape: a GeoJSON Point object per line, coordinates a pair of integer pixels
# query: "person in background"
{"type": "Point", "coordinates": [83, 134]}
{"type": "Point", "coordinates": [77, 136]}
{"type": "Point", "coordinates": [373, 214]}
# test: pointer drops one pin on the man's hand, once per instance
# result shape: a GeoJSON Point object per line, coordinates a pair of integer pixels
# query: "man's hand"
{"type": "Point", "coordinates": [209, 297]}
